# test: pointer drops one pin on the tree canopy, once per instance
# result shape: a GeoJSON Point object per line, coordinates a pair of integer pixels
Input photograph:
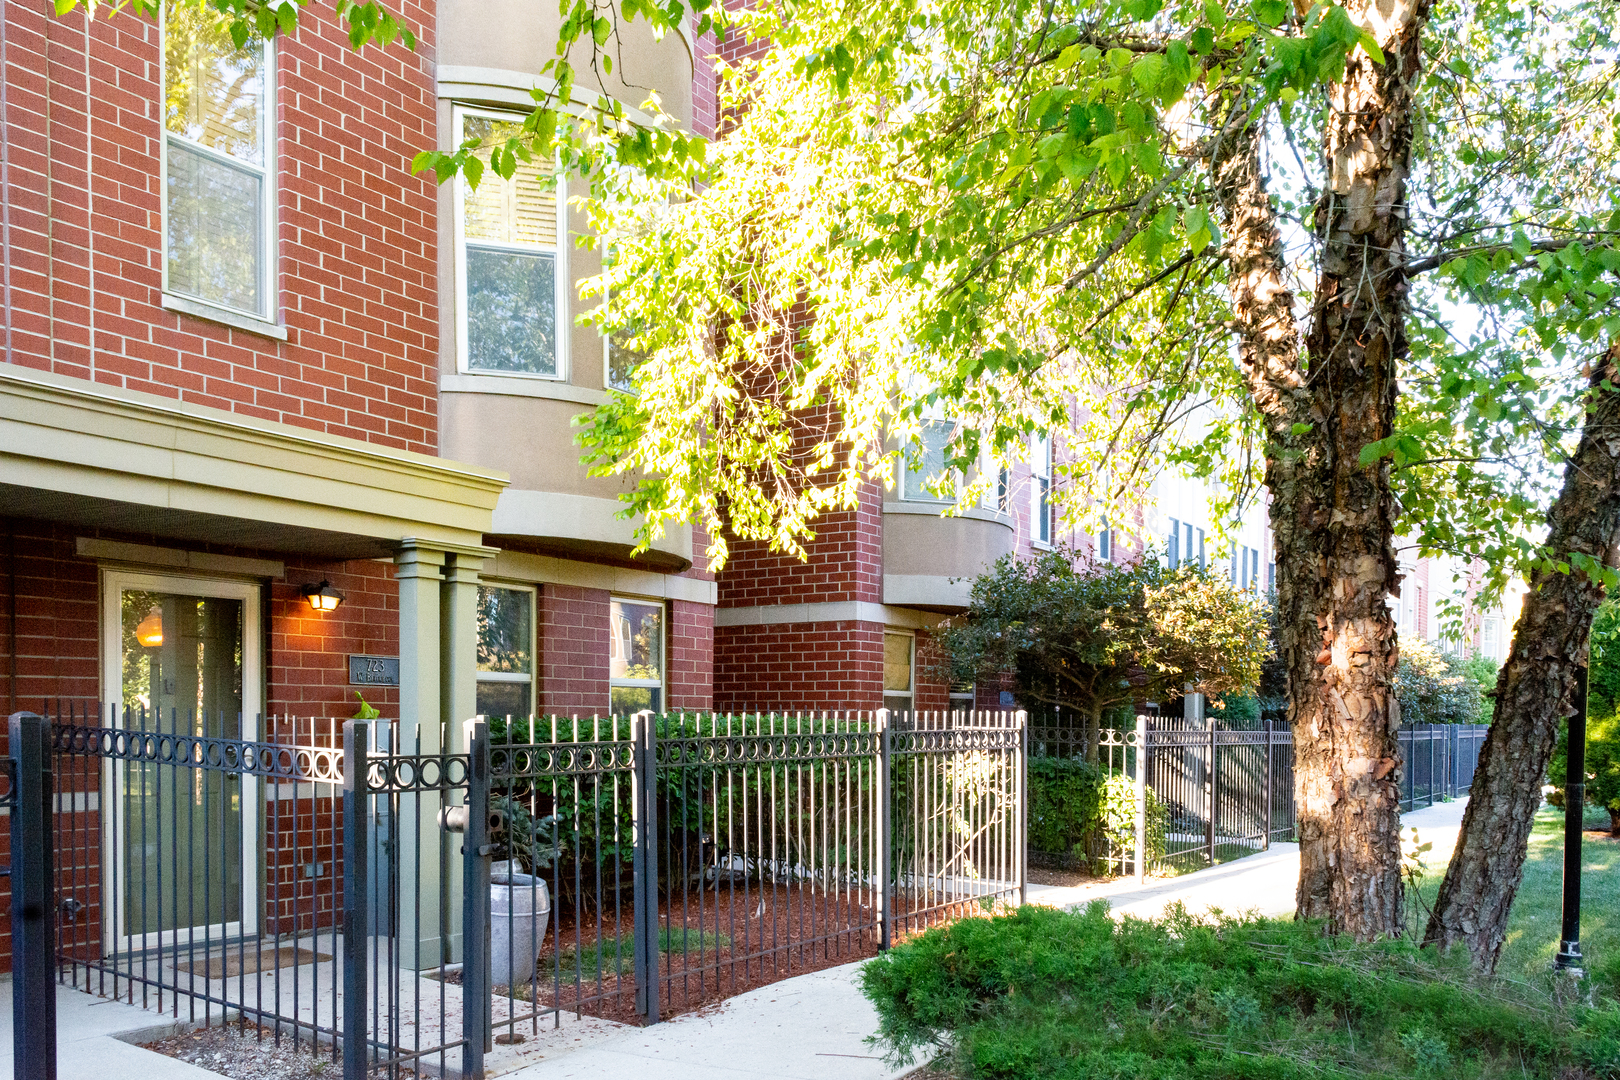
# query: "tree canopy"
{"type": "Point", "coordinates": [1091, 636]}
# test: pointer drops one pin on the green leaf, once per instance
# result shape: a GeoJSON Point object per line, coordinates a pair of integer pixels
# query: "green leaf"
{"type": "Point", "coordinates": [1148, 71]}
{"type": "Point", "coordinates": [1202, 41]}
{"type": "Point", "coordinates": [1270, 12]}
{"type": "Point", "coordinates": [1521, 244]}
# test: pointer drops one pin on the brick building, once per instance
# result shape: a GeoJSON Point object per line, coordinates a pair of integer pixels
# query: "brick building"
{"type": "Point", "coordinates": [281, 422]}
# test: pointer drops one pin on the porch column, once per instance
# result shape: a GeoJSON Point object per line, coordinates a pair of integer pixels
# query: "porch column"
{"type": "Point", "coordinates": [458, 697]}
{"type": "Point", "coordinates": [423, 856]}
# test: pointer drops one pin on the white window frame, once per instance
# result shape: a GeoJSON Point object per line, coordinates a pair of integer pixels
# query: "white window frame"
{"type": "Point", "coordinates": [268, 232]}
{"type": "Point", "coordinates": [661, 684]}
{"type": "Point", "coordinates": [910, 694]}
{"type": "Point", "coordinates": [533, 676]}
{"type": "Point", "coordinates": [1172, 546]}
{"type": "Point", "coordinates": [924, 495]}
{"type": "Point", "coordinates": [563, 283]}
{"type": "Point", "coordinates": [114, 583]}
{"type": "Point", "coordinates": [1040, 470]}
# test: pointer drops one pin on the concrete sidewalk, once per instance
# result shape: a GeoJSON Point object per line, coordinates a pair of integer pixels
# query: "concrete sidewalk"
{"type": "Point", "coordinates": [1263, 882]}
{"type": "Point", "coordinates": [95, 1039]}
{"type": "Point", "coordinates": [805, 1028]}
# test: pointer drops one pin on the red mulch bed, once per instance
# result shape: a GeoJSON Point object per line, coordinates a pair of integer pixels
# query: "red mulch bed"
{"type": "Point", "coordinates": [739, 938]}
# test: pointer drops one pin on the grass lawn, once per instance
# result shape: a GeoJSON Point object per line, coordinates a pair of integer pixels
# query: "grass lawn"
{"type": "Point", "coordinates": [1533, 928]}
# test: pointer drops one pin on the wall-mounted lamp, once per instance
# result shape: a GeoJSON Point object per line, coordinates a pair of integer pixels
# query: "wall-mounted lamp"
{"type": "Point", "coordinates": [149, 631]}
{"type": "Point", "coordinates": [322, 597]}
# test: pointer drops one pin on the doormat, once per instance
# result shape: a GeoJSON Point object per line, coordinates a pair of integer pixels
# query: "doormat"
{"type": "Point", "coordinates": [251, 962]}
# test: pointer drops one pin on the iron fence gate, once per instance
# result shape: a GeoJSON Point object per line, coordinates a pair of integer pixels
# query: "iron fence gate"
{"type": "Point", "coordinates": [348, 888]}
{"type": "Point", "coordinates": [1203, 794]}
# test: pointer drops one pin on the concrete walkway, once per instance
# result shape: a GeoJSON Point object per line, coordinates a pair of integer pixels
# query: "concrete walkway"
{"type": "Point", "coordinates": [1263, 882]}
{"type": "Point", "coordinates": [95, 1040]}
{"type": "Point", "coordinates": [806, 1028]}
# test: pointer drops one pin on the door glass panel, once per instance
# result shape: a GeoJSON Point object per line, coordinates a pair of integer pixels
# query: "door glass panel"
{"type": "Point", "coordinates": [181, 667]}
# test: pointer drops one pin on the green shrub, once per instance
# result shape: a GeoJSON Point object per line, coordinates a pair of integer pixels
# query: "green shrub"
{"type": "Point", "coordinates": [1079, 814]}
{"type": "Point", "coordinates": [1065, 805]}
{"type": "Point", "coordinates": [1438, 688]}
{"type": "Point", "coordinates": [1043, 994]}
{"type": "Point", "coordinates": [1238, 712]}
{"type": "Point", "coordinates": [1602, 766]}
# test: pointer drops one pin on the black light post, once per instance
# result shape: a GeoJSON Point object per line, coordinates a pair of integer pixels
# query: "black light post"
{"type": "Point", "coordinates": [1569, 948]}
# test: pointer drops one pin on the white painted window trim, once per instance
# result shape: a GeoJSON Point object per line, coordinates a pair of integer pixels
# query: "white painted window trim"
{"type": "Point", "coordinates": [910, 694]}
{"type": "Point", "coordinates": [263, 321]}
{"type": "Point", "coordinates": [1040, 469]}
{"type": "Point", "coordinates": [662, 681]}
{"type": "Point", "coordinates": [114, 582]}
{"type": "Point", "coordinates": [533, 675]}
{"type": "Point", "coordinates": [563, 321]}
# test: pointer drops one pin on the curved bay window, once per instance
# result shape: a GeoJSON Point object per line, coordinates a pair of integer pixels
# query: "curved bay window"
{"type": "Point", "coordinates": [510, 274]}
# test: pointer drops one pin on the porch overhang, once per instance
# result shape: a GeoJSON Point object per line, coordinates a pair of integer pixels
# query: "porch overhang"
{"type": "Point", "coordinates": [84, 454]}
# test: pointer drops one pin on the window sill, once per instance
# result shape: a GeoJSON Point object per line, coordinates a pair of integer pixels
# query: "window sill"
{"type": "Point", "coordinates": [520, 386]}
{"type": "Point", "coordinates": [938, 510]}
{"type": "Point", "coordinates": [236, 320]}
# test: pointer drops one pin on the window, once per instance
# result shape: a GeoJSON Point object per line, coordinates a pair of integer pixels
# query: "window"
{"type": "Point", "coordinates": [636, 656]}
{"type": "Point", "coordinates": [1271, 576]}
{"type": "Point", "coordinates": [622, 362]}
{"type": "Point", "coordinates": [511, 279]}
{"type": "Point", "coordinates": [929, 462]}
{"type": "Point", "coordinates": [1040, 462]}
{"type": "Point", "coordinates": [1202, 561]}
{"type": "Point", "coordinates": [1188, 552]}
{"type": "Point", "coordinates": [218, 207]}
{"type": "Point", "coordinates": [897, 671]}
{"type": "Point", "coordinates": [620, 359]}
{"type": "Point", "coordinates": [1105, 543]}
{"type": "Point", "coordinates": [505, 651]}
{"type": "Point", "coordinates": [1172, 545]}
{"type": "Point", "coordinates": [963, 695]}
{"type": "Point", "coordinates": [1490, 637]}
{"type": "Point", "coordinates": [1254, 569]}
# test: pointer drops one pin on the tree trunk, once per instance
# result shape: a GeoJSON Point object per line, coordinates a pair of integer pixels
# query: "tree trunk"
{"type": "Point", "coordinates": [1094, 734]}
{"type": "Point", "coordinates": [1333, 518]}
{"type": "Point", "coordinates": [1533, 691]}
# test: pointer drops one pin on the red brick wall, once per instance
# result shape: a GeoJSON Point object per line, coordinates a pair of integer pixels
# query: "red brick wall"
{"type": "Point", "coordinates": [689, 675]}
{"type": "Point", "coordinates": [308, 654]}
{"type": "Point", "coordinates": [831, 665]}
{"type": "Point", "coordinates": [55, 650]}
{"type": "Point", "coordinates": [844, 562]}
{"type": "Point", "coordinates": [357, 247]}
{"type": "Point", "coordinates": [573, 632]}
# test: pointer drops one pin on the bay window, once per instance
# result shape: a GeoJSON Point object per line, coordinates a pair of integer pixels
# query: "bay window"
{"type": "Point", "coordinates": [218, 205]}
{"type": "Point", "coordinates": [511, 279]}
{"type": "Point", "coordinates": [1040, 462]}
{"type": "Point", "coordinates": [928, 464]}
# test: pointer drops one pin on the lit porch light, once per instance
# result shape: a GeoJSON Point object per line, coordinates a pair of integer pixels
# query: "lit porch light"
{"type": "Point", "coordinates": [322, 597]}
{"type": "Point", "coordinates": [149, 631]}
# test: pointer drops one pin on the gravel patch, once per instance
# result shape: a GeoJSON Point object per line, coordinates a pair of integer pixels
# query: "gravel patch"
{"type": "Point", "coordinates": [243, 1052]}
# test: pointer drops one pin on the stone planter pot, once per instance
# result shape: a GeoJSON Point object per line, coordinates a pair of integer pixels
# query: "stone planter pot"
{"type": "Point", "coordinates": [519, 910]}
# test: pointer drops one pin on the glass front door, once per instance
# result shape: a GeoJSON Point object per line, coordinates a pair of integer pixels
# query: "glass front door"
{"type": "Point", "coordinates": [185, 657]}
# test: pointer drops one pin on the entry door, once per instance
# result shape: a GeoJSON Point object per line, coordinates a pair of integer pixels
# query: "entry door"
{"type": "Point", "coordinates": [182, 657]}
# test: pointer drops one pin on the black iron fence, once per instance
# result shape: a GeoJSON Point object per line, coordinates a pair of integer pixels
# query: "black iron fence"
{"type": "Point", "coordinates": [355, 890]}
{"type": "Point", "coordinates": [1182, 795]}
